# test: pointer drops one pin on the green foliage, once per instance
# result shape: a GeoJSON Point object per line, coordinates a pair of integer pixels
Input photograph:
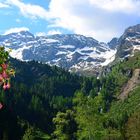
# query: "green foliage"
{"type": "Point", "coordinates": [38, 92]}
{"type": "Point", "coordinates": [89, 117]}
{"type": "Point", "coordinates": [132, 127]}
{"type": "Point", "coordinates": [3, 55]}
{"type": "Point", "coordinates": [65, 126]}
{"type": "Point", "coordinates": [29, 134]}
{"type": "Point", "coordinates": [35, 103]}
{"type": "Point", "coordinates": [108, 118]}
{"type": "Point", "coordinates": [121, 110]}
{"type": "Point", "coordinates": [32, 133]}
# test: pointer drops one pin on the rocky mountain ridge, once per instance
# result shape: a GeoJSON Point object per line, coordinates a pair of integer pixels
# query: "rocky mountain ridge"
{"type": "Point", "coordinates": [129, 42]}
{"type": "Point", "coordinates": [72, 51]}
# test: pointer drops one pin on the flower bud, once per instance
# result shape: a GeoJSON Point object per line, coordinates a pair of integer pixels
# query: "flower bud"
{"type": "Point", "coordinates": [1, 78]}
{"type": "Point", "coordinates": [1, 105]}
{"type": "Point", "coordinates": [8, 85]}
{"type": "Point", "coordinates": [4, 66]}
{"type": "Point", "coordinates": [4, 86]}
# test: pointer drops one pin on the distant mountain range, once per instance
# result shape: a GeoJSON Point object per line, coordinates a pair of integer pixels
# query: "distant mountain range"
{"type": "Point", "coordinates": [72, 51]}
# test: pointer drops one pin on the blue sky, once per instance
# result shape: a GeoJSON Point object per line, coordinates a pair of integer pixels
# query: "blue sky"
{"type": "Point", "coordinates": [100, 19]}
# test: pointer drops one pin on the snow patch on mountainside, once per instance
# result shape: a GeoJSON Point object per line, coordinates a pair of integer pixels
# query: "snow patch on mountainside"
{"type": "Point", "coordinates": [136, 47]}
{"type": "Point", "coordinates": [109, 56]}
{"type": "Point", "coordinates": [67, 46]}
{"type": "Point", "coordinates": [18, 53]}
{"type": "Point", "coordinates": [61, 52]}
{"type": "Point", "coordinates": [51, 40]}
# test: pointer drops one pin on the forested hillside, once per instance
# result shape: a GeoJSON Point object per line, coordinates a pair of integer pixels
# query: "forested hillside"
{"type": "Point", "coordinates": [49, 103]}
{"type": "Point", "coordinates": [37, 93]}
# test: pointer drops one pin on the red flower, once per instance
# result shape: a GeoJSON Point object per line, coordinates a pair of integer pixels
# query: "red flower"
{"type": "Point", "coordinates": [6, 86]}
{"type": "Point", "coordinates": [4, 74]}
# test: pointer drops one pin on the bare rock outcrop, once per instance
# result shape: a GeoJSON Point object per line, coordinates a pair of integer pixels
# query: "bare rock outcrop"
{"type": "Point", "coordinates": [130, 85]}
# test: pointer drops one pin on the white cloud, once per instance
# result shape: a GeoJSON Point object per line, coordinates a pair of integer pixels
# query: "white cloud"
{"type": "Point", "coordinates": [2, 5]}
{"type": "Point", "coordinates": [53, 32]}
{"type": "Point", "coordinates": [126, 6]}
{"type": "Point", "coordinates": [15, 30]}
{"type": "Point", "coordinates": [101, 19]}
{"type": "Point", "coordinates": [29, 10]}
{"type": "Point", "coordinates": [40, 34]}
